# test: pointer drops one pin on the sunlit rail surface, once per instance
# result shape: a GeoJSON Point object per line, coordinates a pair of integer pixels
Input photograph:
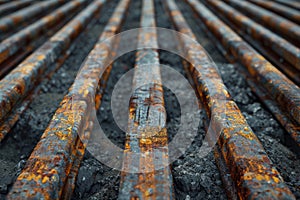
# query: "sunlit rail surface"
{"type": "Point", "coordinates": [62, 51]}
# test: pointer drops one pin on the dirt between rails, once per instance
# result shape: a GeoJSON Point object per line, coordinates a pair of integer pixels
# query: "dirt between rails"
{"type": "Point", "coordinates": [194, 177]}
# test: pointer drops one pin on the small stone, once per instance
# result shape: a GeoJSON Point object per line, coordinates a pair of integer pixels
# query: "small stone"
{"type": "Point", "coordinates": [3, 189]}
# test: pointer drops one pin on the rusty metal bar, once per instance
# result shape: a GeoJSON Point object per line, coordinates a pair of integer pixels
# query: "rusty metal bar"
{"type": "Point", "coordinates": [268, 40]}
{"type": "Point", "coordinates": [280, 25]}
{"type": "Point", "coordinates": [52, 164]}
{"type": "Point", "coordinates": [13, 20]}
{"type": "Point", "coordinates": [250, 168]}
{"type": "Point", "coordinates": [291, 4]}
{"type": "Point", "coordinates": [289, 13]}
{"type": "Point", "coordinates": [5, 1]}
{"type": "Point", "coordinates": [271, 81]}
{"type": "Point", "coordinates": [13, 6]}
{"type": "Point", "coordinates": [7, 65]}
{"type": "Point", "coordinates": [147, 134]}
{"type": "Point", "coordinates": [11, 45]}
{"type": "Point", "coordinates": [21, 81]}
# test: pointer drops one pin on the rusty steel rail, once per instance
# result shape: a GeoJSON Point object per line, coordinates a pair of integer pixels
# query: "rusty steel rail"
{"type": "Point", "coordinates": [291, 4]}
{"type": "Point", "coordinates": [285, 11]}
{"type": "Point", "coordinates": [280, 25]}
{"type": "Point", "coordinates": [19, 56]}
{"type": "Point", "coordinates": [23, 79]}
{"type": "Point", "coordinates": [5, 1]}
{"type": "Point", "coordinates": [53, 164]}
{"type": "Point", "coordinates": [147, 138]}
{"type": "Point", "coordinates": [13, 6]}
{"type": "Point", "coordinates": [14, 20]}
{"type": "Point", "coordinates": [258, 34]}
{"type": "Point", "coordinates": [11, 45]}
{"type": "Point", "coordinates": [254, 175]}
{"type": "Point", "coordinates": [282, 91]}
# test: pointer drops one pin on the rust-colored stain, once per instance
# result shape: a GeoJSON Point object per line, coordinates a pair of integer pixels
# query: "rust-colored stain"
{"type": "Point", "coordinates": [51, 169]}
{"type": "Point", "coordinates": [13, 44]}
{"type": "Point", "coordinates": [16, 19]}
{"type": "Point", "coordinates": [250, 167]}
{"type": "Point", "coordinates": [22, 80]}
{"type": "Point", "coordinates": [289, 13]}
{"type": "Point", "coordinates": [291, 4]}
{"type": "Point", "coordinates": [147, 134]}
{"type": "Point", "coordinates": [282, 26]}
{"type": "Point", "coordinates": [273, 42]}
{"type": "Point", "coordinates": [284, 93]}
{"type": "Point", "coordinates": [13, 6]}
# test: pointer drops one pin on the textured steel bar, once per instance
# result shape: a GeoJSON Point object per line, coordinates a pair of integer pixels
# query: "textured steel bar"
{"type": "Point", "coordinates": [10, 63]}
{"type": "Point", "coordinates": [22, 80]}
{"type": "Point", "coordinates": [13, 6]}
{"type": "Point", "coordinates": [11, 45]}
{"type": "Point", "coordinates": [56, 156]}
{"type": "Point", "coordinates": [291, 4]}
{"type": "Point", "coordinates": [289, 13]}
{"type": "Point", "coordinates": [13, 20]}
{"type": "Point", "coordinates": [280, 25]}
{"type": "Point", "coordinates": [246, 26]}
{"type": "Point", "coordinates": [271, 81]}
{"type": "Point", "coordinates": [280, 88]}
{"type": "Point", "coordinates": [254, 175]}
{"type": "Point", "coordinates": [147, 135]}
{"type": "Point", "coordinates": [5, 1]}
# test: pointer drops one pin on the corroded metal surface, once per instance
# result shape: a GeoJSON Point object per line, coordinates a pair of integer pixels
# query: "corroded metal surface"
{"type": "Point", "coordinates": [13, 20]}
{"type": "Point", "coordinates": [147, 134]}
{"type": "Point", "coordinates": [11, 45]}
{"type": "Point", "coordinates": [13, 6]}
{"type": "Point", "coordinates": [20, 82]}
{"type": "Point", "coordinates": [273, 42]}
{"type": "Point", "coordinates": [281, 89]}
{"type": "Point", "coordinates": [284, 27]}
{"type": "Point", "coordinates": [250, 168]}
{"type": "Point", "coordinates": [292, 4]}
{"type": "Point", "coordinates": [51, 168]}
{"type": "Point", "coordinates": [289, 13]}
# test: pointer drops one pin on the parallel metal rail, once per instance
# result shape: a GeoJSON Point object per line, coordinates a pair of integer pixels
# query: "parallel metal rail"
{"type": "Point", "coordinates": [289, 13]}
{"type": "Point", "coordinates": [276, 88]}
{"type": "Point", "coordinates": [13, 6]}
{"type": "Point", "coordinates": [239, 146]}
{"type": "Point", "coordinates": [43, 178]}
{"type": "Point", "coordinates": [147, 132]}
{"type": "Point", "coordinates": [262, 38]}
{"type": "Point", "coordinates": [278, 24]}
{"type": "Point", "coordinates": [10, 22]}
{"type": "Point", "coordinates": [52, 168]}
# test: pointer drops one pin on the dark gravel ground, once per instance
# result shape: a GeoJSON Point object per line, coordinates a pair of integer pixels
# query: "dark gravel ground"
{"type": "Point", "coordinates": [194, 177]}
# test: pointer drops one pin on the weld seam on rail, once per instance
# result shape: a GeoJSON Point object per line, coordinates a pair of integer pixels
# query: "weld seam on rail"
{"type": "Point", "coordinates": [146, 139]}
{"type": "Point", "coordinates": [250, 167]}
{"type": "Point", "coordinates": [52, 161]}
